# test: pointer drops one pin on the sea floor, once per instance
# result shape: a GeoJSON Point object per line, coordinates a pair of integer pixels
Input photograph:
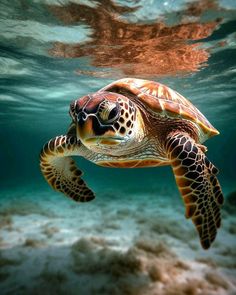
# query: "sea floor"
{"type": "Point", "coordinates": [134, 244]}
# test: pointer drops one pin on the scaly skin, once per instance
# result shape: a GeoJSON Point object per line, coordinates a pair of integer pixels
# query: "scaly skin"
{"type": "Point", "coordinates": [60, 170]}
{"type": "Point", "coordinates": [196, 179]}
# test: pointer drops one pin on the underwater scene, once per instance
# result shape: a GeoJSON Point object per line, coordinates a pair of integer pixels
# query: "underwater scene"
{"type": "Point", "coordinates": [117, 230]}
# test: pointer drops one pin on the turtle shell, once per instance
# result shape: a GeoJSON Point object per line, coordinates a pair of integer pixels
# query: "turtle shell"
{"type": "Point", "coordinates": [164, 101]}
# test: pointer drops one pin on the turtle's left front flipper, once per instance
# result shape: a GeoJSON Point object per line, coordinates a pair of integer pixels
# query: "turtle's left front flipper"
{"type": "Point", "coordinates": [198, 185]}
{"type": "Point", "coordinates": [60, 170]}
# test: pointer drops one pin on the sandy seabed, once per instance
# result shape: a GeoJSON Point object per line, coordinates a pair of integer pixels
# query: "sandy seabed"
{"type": "Point", "coordinates": [128, 243]}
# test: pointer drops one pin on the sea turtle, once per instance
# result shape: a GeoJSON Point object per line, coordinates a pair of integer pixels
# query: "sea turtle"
{"type": "Point", "coordinates": [138, 123]}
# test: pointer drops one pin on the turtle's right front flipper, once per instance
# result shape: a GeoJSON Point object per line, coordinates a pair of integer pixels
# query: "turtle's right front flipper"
{"type": "Point", "coordinates": [60, 170]}
{"type": "Point", "coordinates": [196, 178]}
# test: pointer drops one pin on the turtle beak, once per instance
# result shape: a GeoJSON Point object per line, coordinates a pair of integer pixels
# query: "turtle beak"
{"type": "Point", "coordinates": [91, 132]}
{"type": "Point", "coordinates": [84, 126]}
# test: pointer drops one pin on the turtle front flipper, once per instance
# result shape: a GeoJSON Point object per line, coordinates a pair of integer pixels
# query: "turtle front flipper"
{"type": "Point", "coordinates": [196, 178]}
{"type": "Point", "coordinates": [60, 170]}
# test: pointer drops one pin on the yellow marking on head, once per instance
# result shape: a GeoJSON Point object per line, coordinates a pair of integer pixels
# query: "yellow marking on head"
{"type": "Point", "coordinates": [91, 140]}
{"type": "Point", "coordinates": [109, 141]}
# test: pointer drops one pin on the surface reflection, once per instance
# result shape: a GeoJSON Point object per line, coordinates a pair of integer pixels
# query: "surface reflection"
{"type": "Point", "coordinates": [122, 48]}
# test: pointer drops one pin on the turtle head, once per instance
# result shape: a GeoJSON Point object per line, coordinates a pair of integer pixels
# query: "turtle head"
{"type": "Point", "coordinates": [106, 120]}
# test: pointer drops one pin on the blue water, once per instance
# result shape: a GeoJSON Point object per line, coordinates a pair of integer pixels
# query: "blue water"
{"type": "Point", "coordinates": [52, 52]}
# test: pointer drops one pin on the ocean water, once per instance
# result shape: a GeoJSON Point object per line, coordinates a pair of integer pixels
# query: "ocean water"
{"type": "Point", "coordinates": [133, 238]}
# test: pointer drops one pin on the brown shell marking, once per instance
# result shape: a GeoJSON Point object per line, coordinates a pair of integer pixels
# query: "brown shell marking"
{"type": "Point", "coordinates": [162, 99]}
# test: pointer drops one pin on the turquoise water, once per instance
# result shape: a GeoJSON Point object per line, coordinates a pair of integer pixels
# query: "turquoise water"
{"type": "Point", "coordinates": [124, 242]}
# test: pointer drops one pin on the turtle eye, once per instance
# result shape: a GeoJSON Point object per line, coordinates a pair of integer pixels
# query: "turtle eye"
{"type": "Point", "coordinates": [109, 112]}
{"type": "Point", "coordinates": [113, 114]}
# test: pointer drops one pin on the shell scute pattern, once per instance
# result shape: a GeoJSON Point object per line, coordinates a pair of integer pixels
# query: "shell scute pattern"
{"type": "Point", "coordinates": [164, 101]}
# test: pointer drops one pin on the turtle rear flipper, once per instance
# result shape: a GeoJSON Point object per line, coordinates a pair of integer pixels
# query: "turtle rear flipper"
{"type": "Point", "coordinates": [196, 178]}
{"type": "Point", "coordinates": [60, 170]}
